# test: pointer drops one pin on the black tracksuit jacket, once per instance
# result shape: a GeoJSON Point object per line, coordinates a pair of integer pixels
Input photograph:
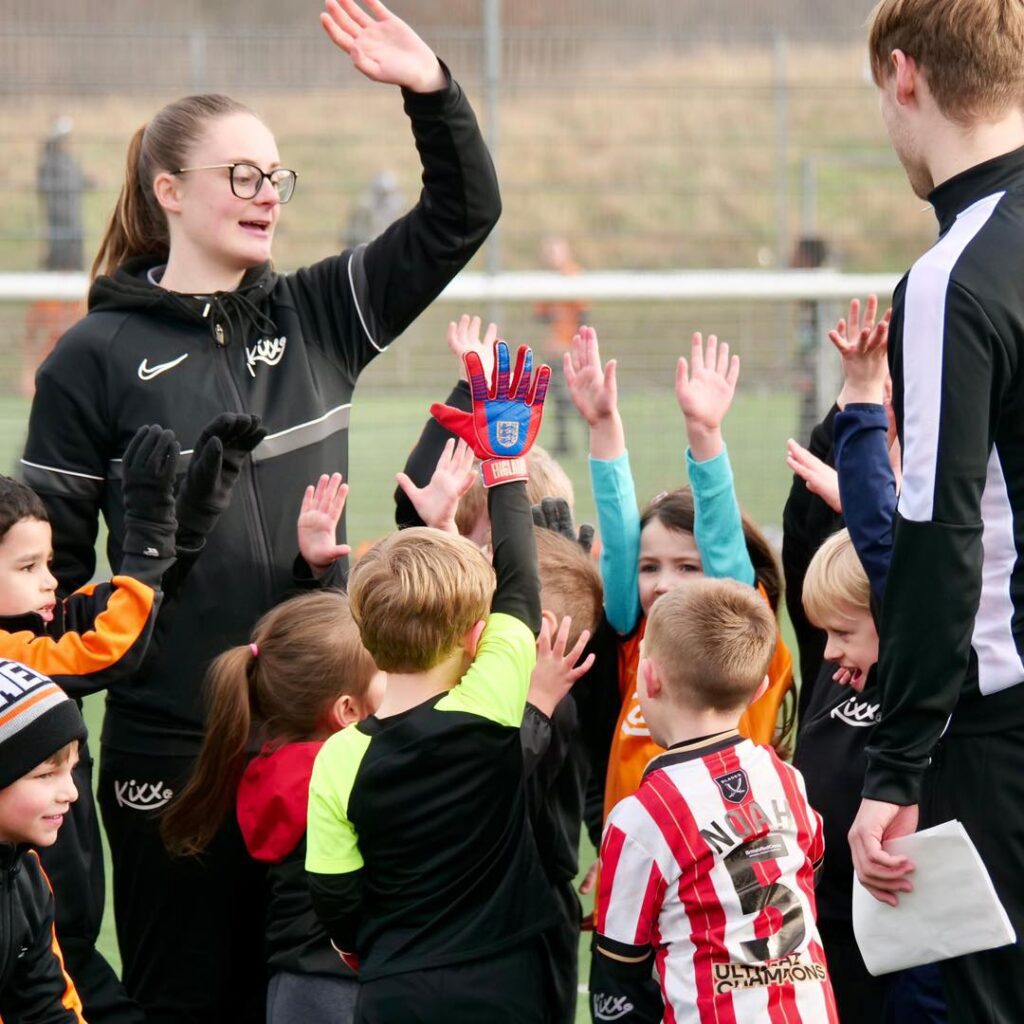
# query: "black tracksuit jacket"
{"type": "Point", "coordinates": [33, 985]}
{"type": "Point", "coordinates": [952, 620]}
{"type": "Point", "coordinates": [288, 347]}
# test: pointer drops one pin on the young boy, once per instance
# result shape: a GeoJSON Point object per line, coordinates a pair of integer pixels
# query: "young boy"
{"type": "Point", "coordinates": [40, 731]}
{"type": "Point", "coordinates": [707, 871]}
{"type": "Point", "coordinates": [419, 855]}
{"type": "Point", "coordinates": [99, 635]}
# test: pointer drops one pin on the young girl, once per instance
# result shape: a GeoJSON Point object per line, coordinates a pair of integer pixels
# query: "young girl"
{"type": "Point", "coordinates": [188, 318]}
{"type": "Point", "coordinates": [303, 676]}
{"type": "Point", "coordinates": [695, 531]}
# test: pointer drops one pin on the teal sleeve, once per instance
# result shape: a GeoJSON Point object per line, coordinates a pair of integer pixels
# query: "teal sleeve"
{"type": "Point", "coordinates": [618, 518]}
{"type": "Point", "coordinates": [496, 684]}
{"type": "Point", "coordinates": [332, 845]}
{"type": "Point", "coordinates": [718, 527]}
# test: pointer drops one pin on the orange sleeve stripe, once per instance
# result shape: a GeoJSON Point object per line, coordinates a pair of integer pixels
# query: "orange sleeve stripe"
{"type": "Point", "coordinates": [70, 999]}
{"type": "Point", "coordinates": [113, 634]}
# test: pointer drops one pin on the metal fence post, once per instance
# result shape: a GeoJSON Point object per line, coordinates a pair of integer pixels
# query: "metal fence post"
{"type": "Point", "coordinates": [492, 87]}
{"type": "Point", "coordinates": [781, 152]}
{"type": "Point", "coordinates": [197, 59]}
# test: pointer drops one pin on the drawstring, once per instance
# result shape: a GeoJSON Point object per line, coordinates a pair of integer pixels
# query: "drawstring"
{"type": "Point", "coordinates": [229, 311]}
{"type": "Point", "coordinates": [234, 310]}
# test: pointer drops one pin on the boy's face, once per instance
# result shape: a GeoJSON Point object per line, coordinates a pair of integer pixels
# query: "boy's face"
{"type": "Point", "coordinates": [26, 583]}
{"type": "Point", "coordinates": [32, 809]}
{"type": "Point", "coordinates": [852, 642]}
{"type": "Point", "coordinates": [652, 704]}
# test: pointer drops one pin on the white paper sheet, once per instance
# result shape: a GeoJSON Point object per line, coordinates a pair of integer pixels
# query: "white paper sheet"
{"type": "Point", "coordinates": [953, 909]}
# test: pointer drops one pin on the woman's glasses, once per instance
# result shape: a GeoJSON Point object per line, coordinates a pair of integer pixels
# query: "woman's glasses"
{"type": "Point", "coordinates": [247, 179]}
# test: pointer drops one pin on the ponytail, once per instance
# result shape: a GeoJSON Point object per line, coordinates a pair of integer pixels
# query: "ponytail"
{"type": "Point", "coordinates": [138, 226]}
{"type": "Point", "coordinates": [305, 654]}
{"type": "Point", "coordinates": [194, 817]}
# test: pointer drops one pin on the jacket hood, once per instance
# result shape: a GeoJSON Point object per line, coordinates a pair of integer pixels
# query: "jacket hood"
{"type": "Point", "coordinates": [272, 798]}
{"type": "Point", "coordinates": [129, 289]}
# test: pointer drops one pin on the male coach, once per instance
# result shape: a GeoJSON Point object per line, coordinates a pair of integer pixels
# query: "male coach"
{"type": "Point", "coordinates": [951, 740]}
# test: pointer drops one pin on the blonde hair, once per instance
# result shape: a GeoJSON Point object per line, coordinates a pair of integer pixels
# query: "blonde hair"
{"type": "Point", "coordinates": [712, 641]}
{"type": "Point", "coordinates": [547, 480]}
{"type": "Point", "coordinates": [570, 583]}
{"type": "Point", "coordinates": [304, 654]}
{"type": "Point", "coordinates": [970, 51]}
{"type": "Point", "coordinates": [834, 578]}
{"type": "Point", "coordinates": [416, 594]}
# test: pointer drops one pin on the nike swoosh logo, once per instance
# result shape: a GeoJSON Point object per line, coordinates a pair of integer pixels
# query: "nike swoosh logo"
{"type": "Point", "coordinates": [149, 372]}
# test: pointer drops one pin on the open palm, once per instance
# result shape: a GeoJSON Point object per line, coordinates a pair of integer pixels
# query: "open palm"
{"type": "Point", "coordinates": [593, 388]}
{"type": "Point", "coordinates": [706, 386]}
{"type": "Point", "coordinates": [318, 522]}
{"type": "Point", "coordinates": [381, 45]}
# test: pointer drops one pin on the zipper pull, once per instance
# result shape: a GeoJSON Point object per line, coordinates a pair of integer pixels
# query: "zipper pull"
{"type": "Point", "coordinates": [218, 331]}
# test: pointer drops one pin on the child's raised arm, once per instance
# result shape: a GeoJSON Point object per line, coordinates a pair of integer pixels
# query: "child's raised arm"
{"type": "Point", "coordinates": [705, 387]}
{"type": "Point", "coordinates": [867, 483]}
{"type": "Point", "coordinates": [594, 392]}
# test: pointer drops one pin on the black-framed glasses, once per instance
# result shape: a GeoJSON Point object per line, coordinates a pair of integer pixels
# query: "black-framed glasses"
{"type": "Point", "coordinates": [247, 179]}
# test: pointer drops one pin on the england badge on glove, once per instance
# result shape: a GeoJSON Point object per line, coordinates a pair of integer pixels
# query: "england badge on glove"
{"type": "Point", "coordinates": [506, 415]}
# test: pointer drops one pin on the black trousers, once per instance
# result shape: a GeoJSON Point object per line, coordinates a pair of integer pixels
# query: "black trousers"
{"type": "Point", "coordinates": [74, 865]}
{"type": "Point", "coordinates": [190, 929]}
{"type": "Point", "coordinates": [979, 780]}
{"type": "Point", "coordinates": [508, 988]}
{"type": "Point", "coordinates": [561, 951]}
{"type": "Point", "coordinates": [860, 998]}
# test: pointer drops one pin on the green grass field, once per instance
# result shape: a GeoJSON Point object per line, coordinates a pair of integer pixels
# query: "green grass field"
{"type": "Point", "coordinates": [384, 428]}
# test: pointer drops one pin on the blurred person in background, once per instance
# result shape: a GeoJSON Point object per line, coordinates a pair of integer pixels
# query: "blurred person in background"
{"type": "Point", "coordinates": [379, 206]}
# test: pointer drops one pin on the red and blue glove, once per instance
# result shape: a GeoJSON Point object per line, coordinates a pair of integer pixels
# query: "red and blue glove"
{"type": "Point", "coordinates": [506, 415]}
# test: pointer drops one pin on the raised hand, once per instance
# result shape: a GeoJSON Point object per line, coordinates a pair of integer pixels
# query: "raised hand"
{"type": "Point", "coordinates": [863, 344]}
{"type": "Point", "coordinates": [705, 388]}
{"type": "Point", "coordinates": [554, 514]}
{"type": "Point", "coordinates": [318, 523]}
{"type": "Point", "coordinates": [382, 46]}
{"type": "Point", "coordinates": [464, 337]}
{"type": "Point", "coordinates": [437, 503]}
{"type": "Point", "coordinates": [557, 669]}
{"type": "Point", "coordinates": [506, 415]}
{"type": "Point", "coordinates": [821, 479]}
{"type": "Point", "coordinates": [148, 468]}
{"type": "Point", "coordinates": [595, 394]}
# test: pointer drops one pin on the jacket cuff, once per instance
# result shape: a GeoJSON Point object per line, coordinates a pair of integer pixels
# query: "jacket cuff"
{"type": "Point", "coordinates": [892, 785]}
{"type": "Point", "coordinates": [417, 103]}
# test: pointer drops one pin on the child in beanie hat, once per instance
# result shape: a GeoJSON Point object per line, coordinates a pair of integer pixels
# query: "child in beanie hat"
{"type": "Point", "coordinates": [40, 730]}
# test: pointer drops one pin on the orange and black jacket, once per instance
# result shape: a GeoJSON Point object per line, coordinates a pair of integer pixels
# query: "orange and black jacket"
{"type": "Point", "coordinates": [98, 637]}
{"type": "Point", "coordinates": [33, 983]}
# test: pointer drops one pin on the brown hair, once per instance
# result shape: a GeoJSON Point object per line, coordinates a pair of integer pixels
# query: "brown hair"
{"type": "Point", "coordinates": [416, 594]}
{"type": "Point", "coordinates": [62, 756]}
{"type": "Point", "coordinates": [309, 654]}
{"type": "Point", "coordinates": [675, 511]}
{"type": "Point", "coordinates": [547, 479]}
{"type": "Point", "coordinates": [138, 227]}
{"type": "Point", "coordinates": [570, 583]}
{"type": "Point", "coordinates": [18, 502]}
{"type": "Point", "coordinates": [970, 51]}
{"type": "Point", "coordinates": [835, 576]}
{"type": "Point", "coordinates": [712, 641]}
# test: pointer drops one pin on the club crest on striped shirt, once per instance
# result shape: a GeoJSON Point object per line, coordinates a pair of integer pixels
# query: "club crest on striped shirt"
{"type": "Point", "coordinates": [507, 433]}
{"type": "Point", "coordinates": [734, 786]}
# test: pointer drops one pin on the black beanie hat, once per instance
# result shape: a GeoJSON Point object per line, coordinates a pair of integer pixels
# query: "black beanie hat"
{"type": "Point", "coordinates": [37, 718]}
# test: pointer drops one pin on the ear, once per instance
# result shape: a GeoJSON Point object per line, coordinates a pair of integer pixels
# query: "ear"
{"type": "Point", "coordinates": [167, 189]}
{"type": "Point", "coordinates": [343, 713]}
{"type": "Point", "coordinates": [551, 619]}
{"type": "Point", "coordinates": [471, 640]}
{"type": "Point", "coordinates": [762, 689]}
{"type": "Point", "coordinates": [907, 76]}
{"type": "Point", "coordinates": [647, 675]}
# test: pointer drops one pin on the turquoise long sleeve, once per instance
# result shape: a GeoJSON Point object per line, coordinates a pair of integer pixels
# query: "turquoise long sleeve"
{"type": "Point", "coordinates": [718, 526]}
{"type": "Point", "coordinates": [618, 518]}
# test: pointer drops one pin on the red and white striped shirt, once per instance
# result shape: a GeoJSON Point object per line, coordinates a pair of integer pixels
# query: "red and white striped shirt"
{"type": "Point", "coordinates": [710, 864]}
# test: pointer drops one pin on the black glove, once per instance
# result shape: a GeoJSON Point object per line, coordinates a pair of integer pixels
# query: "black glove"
{"type": "Point", "coordinates": [218, 458]}
{"type": "Point", "coordinates": [150, 461]}
{"type": "Point", "coordinates": [555, 514]}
